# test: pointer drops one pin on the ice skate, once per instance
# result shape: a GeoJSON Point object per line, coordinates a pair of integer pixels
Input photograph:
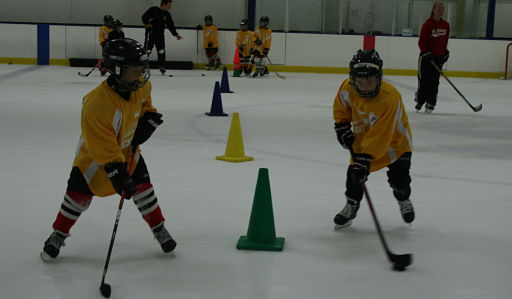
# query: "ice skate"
{"type": "Point", "coordinates": [407, 210]}
{"type": "Point", "coordinates": [164, 238]}
{"type": "Point", "coordinates": [52, 246]}
{"type": "Point", "coordinates": [349, 212]}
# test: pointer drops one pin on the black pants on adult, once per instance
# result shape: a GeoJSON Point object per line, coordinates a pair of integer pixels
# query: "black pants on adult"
{"type": "Point", "coordinates": [428, 80]}
{"type": "Point", "coordinates": [154, 39]}
{"type": "Point", "coordinates": [398, 178]}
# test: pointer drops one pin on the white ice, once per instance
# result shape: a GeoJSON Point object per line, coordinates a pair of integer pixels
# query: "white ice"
{"type": "Point", "coordinates": [462, 185]}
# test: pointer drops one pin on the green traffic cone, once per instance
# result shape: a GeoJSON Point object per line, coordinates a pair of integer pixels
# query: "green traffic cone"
{"type": "Point", "coordinates": [261, 234]}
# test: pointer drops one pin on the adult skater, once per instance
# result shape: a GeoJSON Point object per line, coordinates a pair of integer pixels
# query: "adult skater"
{"type": "Point", "coordinates": [155, 20]}
{"type": "Point", "coordinates": [433, 41]}
{"type": "Point", "coordinates": [371, 122]}
{"type": "Point", "coordinates": [117, 116]}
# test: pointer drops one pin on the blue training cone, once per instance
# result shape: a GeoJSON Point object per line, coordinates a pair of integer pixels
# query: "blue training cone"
{"type": "Point", "coordinates": [224, 83]}
{"type": "Point", "coordinates": [216, 108]}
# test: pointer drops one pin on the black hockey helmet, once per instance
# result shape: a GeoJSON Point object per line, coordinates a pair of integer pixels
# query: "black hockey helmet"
{"type": "Point", "coordinates": [122, 53]}
{"type": "Point", "coordinates": [244, 22]}
{"type": "Point", "coordinates": [208, 19]}
{"type": "Point", "coordinates": [117, 23]}
{"type": "Point", "coordinates": [265, 19]}
{"type": "Point", "coordinates": [364, 64]}
{"type": "Point", "coordinates": [108, 19]}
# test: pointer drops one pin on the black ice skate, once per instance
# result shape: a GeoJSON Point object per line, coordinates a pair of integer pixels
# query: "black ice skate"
{"type": "Point", "coordinates": [256, 73]}
{"type": "Point", "coordinates": [349, 212]}
{"type": "Point", "coordinates": [164, 238]}
{"type": "Point", "coordinates": [429, 108]}
{"type": "Point", "coordinates": [162, 70]}
{"type": "Point", "coordinates": [52, 246]}
{"type": "Point", "coordinates": [406, 210]}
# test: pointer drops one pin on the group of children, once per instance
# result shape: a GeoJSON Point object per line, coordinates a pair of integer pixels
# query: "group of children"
{"type": "Point", "coordinates": [252, 46]}
{"type": "Point", "coordinates": [111, 29]}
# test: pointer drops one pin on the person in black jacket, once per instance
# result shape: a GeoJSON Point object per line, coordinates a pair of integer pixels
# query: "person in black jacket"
{"type": "Point", "coordinates": [155, 20]}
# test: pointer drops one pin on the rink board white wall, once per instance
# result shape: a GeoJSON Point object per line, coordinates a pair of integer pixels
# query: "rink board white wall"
{"type": "Point", "coordinates": [293, 49]}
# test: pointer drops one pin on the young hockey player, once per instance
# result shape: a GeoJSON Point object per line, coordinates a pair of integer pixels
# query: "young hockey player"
{"type": "Point", "coordinates": [155, 20]}
{"type": "Point", "coordinates": [262, 42]}
{"type": "Point", "coordinates": [102, 38]}
{"type": "Point", "coordinates": [244, 45]}
{"type": "Point", "coordinates": [371, 122]}
{"type": "Point", "coordinates": [210, 43]}
{"type": "Point", "coordinates": [117, 32]}
{"type": "Point", "coordinates": [432, 42]}
{"type": "Point", "coordinates": [117, 116]}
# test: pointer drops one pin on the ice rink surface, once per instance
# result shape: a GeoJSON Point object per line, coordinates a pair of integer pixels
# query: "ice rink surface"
{"type": "Point", "coordinates": [462, 186]}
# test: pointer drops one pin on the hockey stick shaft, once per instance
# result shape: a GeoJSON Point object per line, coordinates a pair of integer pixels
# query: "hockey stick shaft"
{"type": "Point", "coordinates": [277, 74]}
{"type": "Point", "coordinates": [476, 109]}
{"type": "Point", "coordinates": [87, 75]}
{"type": "Point", "coordinates": [402, 259]}
{"type": "Point", "coordinates": [116, 224]}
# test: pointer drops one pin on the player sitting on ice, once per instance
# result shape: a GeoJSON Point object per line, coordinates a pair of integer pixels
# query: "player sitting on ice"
{"type": "Point", "coordinates": [117, 116]}
{"type": "Point", "coordinates": [210, 43]}
{"type": "Point", "coordinates": [371, 122]}
{"type": "Point", "coordinates": [262, 42]}
{"type": "Point", "coordinates": [244, 44]}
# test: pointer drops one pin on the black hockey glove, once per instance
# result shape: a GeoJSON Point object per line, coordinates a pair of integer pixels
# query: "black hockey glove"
{"type": "Point", "coordinates": [265, 51]}
{"type": "Point", "coordinates": [121, 180]}
{"type": "Point", "coordinates": [258, 42]}
{"type": "Point", "coordinates": [146, 126]}
{"type": "Point", "coordinates": [241, 48]}
{"type": "Point", "coordinates": [345, 135]}
{"type": "Point", "coordinates": [445, 56]}
{"type": "Point", "coordinates": [361, 167]}
{"type": "Point", "coordinates": [199, 27]}
{"type": "Point", "coordinates": [210, 44]}
{"type": "Point", "coordinates": [256, 53]}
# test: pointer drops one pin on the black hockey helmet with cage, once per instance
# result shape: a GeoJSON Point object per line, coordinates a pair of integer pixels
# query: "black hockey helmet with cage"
{"type": "Point", "coordinates": [117, 23]}
{"type": "Point", "coordinates": [244, 22]}
{"type": "Point", "coordinates": [265, 19]}
{"type": "Point", "coordinates": [208, 18]}
{"type": "Point", "coordinates": [364, 64]}
{"type": "Point", "coordinates": [122, 53]}
{"type": "Point", "coordinates": [108, 19]}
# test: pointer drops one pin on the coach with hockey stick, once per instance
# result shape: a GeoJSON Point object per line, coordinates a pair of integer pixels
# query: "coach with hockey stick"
{"type": "Point", "coordinates": [433, 41]}
{"type": "Point", "coordinates": [155, 20]}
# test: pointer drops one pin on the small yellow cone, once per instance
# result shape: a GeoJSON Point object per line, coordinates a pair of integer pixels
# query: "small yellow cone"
{"type": "Point", "coordinates": [235, 146]}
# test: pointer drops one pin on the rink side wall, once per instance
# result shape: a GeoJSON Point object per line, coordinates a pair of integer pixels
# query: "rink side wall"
{"type": "Point", "coordinates": [293, 52]}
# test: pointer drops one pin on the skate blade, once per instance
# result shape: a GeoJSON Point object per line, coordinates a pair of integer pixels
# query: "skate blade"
{"type": "Point", "coordinates": [46, 258]}
{"type": "Point", "coordinates": [339, 226]}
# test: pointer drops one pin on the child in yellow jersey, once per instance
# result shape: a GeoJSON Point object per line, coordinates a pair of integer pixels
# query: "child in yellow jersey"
{"type": "Point", "coordinates": [262, 43]}
{"type": "Point", "coordinates": [117, 116]}
{"type": "Point", "coordinates": [244, 45]}
{"type": "Point", "coordinates": [211, 45]}
{"type": "Point", "coordinates": [103, 33]}
{"type": "Point", "coordinates": [371, 122]}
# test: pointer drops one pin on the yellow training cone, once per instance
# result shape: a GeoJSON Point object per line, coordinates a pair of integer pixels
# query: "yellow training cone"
{"type": "Point", "coordinates": [235, 146]}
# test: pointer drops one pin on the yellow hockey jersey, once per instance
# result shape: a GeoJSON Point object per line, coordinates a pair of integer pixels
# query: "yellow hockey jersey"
{"type": "Point", "coordinates": [245, 38]}
{"type": "Point", "coordinates": [210, 36]}
{"type": "Point", "coordinates": [108, 123]}
{"type": "Point", "coordinates": [380, 124]}
{"type": "Point", "coordinates": [103, 34]}
{"type": "Point", "coordinates": [265, 36]}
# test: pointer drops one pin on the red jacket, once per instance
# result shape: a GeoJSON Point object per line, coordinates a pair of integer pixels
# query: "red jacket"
{"type": "Point", "coordinates": [434, 36]}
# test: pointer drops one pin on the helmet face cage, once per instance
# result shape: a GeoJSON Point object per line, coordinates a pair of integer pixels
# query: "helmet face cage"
{"type": "Point", "coordinates": [366, 64]}
{"type": "Point", "coordinates": [244, 23]}
{"type": "Point", "coordinates": [108, 19]}
{"type": "Point", "coordinates": [120, 54]}
{"type": "Point", "coordinates": [265, 20]}
{"type": "Point", "coordinates": [208, 20]}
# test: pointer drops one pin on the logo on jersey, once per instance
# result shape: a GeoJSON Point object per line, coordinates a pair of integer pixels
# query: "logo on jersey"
{"type": "Point", "coordinates": [438, 32]}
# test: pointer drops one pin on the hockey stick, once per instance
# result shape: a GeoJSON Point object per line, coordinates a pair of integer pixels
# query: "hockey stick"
{"type": "Point", "coordinates": [399, 261]}
{"type": "Point", "coordinates": [277, 74]}
{"type": "Point", "coordinates": [105, 288]}
{"type": "Point", "coordinates": [476, 109]}
{"type": "Point", "coordinates": [87, 75]}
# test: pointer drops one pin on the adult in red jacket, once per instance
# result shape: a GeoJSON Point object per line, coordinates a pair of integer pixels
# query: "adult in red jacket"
{"type": "Point", "coordinates": [433, 41]}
